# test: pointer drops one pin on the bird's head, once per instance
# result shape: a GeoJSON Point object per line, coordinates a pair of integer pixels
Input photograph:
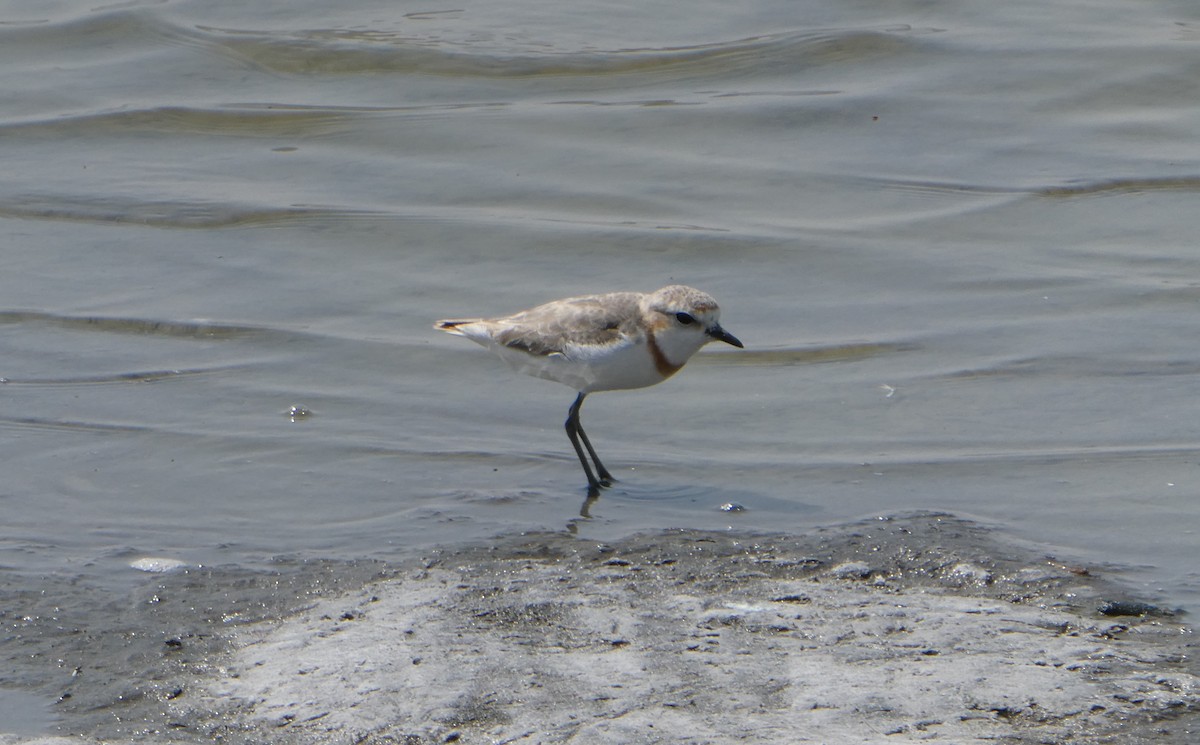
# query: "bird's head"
{"type": "Point", "coordinates": [683, 319]}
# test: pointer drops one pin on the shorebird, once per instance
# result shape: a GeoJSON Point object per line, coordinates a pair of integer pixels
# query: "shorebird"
{"type": "Point", "coordinates": [608, 342]}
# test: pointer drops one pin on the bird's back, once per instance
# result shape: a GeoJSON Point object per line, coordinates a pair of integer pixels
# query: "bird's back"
{"type": "Point", "coordinates": [559, 327]}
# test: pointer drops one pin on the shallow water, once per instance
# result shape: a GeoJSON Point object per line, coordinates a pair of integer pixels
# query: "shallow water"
{"type": "Point", "coordinates": [958, 241]}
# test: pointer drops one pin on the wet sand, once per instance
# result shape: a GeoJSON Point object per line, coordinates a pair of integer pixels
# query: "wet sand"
{"type": "Point", "coordinates": [904, 629]}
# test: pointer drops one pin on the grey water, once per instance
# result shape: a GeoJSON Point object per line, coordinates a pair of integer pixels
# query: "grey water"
{"type": "Point", "coordinates": [957, 239]}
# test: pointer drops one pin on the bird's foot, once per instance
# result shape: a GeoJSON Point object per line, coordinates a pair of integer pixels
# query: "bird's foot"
{"type": "Point", "coordinates": [605, 481]}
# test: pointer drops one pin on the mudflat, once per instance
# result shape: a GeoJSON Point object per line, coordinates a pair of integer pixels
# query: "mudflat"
{"type": "Point", "coordinates": [903, 629]}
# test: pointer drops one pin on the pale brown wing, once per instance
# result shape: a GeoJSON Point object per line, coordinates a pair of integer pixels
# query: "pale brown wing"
{"type": "Point", "coordinates": [556, 327]}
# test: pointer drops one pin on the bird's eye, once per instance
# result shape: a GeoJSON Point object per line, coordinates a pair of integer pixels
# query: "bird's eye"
{"type": "Point", "coordinates": [684, 318]}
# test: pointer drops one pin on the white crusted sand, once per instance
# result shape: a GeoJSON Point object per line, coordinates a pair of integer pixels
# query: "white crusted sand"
{"type": "Point", "coordinates": [709, 640]}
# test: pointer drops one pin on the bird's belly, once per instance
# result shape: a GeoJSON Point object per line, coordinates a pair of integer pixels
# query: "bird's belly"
{"type": "Point", "coordinates": [608, 369]}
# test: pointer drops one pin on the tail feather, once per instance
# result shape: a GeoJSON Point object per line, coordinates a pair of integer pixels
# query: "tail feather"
{"type": "Point", "coordinates": [451, 327]}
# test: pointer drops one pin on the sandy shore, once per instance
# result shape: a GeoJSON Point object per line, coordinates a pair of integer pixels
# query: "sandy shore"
{"type": "Point", "coordinates": [899, 630]}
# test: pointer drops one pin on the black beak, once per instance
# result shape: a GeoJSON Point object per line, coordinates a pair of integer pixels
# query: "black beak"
{"type": "Point", "coordinates": [720, 334]}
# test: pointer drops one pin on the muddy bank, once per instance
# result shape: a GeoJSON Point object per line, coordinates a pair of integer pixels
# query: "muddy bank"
{"type": "Point", "coordinates": [897, 630]}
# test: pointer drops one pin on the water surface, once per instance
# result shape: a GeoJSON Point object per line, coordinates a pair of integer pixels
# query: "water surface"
{"type": "Point", "coordinates": [958, 240]}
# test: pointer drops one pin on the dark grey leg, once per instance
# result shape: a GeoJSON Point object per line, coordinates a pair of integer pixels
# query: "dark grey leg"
{"type": "Point", "coordinates": [606, 478]}
{"type": "Point", "coordinates": [575, 433]}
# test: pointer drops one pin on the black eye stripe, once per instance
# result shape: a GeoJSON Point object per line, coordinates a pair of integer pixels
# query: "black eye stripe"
{"type": "Point", "coordinates": [684, 318]}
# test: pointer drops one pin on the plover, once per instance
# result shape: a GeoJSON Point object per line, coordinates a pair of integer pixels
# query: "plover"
{"type": "Point", "coordinates": [607, 342]}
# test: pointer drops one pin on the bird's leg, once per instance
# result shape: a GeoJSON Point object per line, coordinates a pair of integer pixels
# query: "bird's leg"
{"type": "Point", "coordinates": [575, 433]}
{"type": "Point", "coordinates": [606, 478]}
